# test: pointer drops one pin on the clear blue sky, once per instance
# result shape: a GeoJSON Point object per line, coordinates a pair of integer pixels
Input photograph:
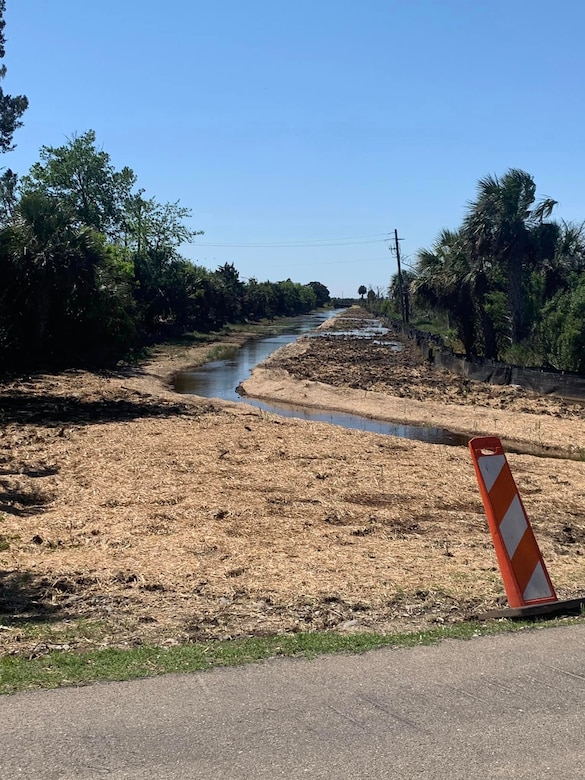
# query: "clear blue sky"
{"type": "Point", "coordinates": [321, 122]}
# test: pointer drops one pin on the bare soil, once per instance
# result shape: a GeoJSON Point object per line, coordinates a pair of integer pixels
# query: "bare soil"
{"type": "Point", "coordinates": [130, 514]}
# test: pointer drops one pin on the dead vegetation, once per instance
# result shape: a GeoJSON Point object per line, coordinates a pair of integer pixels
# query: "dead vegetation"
{"type": "Point", "coordinates": [130, 515]}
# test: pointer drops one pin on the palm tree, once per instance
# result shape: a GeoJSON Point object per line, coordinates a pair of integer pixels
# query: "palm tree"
{"type": "Point", "coordinates": [504, 230]}
{"type": "Point", "coordinates": [566, 259]}
{"type": "Point", "coordinates": [448, 279]}
{"type": "Point", "coordinates": [362, 290]}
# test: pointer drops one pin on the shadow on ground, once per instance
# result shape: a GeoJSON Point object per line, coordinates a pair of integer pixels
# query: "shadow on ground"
{"type": "Point", "coordinates": [26, 598]}
{"type": "Point", "coordinates": [52, 410]}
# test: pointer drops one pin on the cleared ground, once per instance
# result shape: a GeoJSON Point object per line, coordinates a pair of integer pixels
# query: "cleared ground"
{"type": "Point", "coordinates": [129, 514]}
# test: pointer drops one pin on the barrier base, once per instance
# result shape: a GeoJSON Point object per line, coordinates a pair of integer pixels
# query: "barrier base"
{"type": "Point", "coordinates": [570, 607]}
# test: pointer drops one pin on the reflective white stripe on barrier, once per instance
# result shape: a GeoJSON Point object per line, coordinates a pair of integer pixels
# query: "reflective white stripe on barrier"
{"type": "Point", "coordinates": [490, 469]}
{"type": "Point", "coordinates": [538, 587]}
{"type": "Point", "coordinates": [513, 526]}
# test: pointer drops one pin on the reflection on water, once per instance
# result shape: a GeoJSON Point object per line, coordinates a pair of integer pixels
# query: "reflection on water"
{"type": "Point", "coordinates": [220, 378]}
{"type": "Point", "coordinates": [355, 422]}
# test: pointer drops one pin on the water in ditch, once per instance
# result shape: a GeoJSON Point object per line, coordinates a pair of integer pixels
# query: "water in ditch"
{"type": "Point", "coordinates": [221, 378]}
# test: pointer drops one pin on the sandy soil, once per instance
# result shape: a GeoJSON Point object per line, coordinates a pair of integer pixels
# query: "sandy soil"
{"type": "Point", "coordinates": [129, 514]}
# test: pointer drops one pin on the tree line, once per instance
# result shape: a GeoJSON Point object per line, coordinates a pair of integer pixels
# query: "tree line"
{"type": "Point", "coordinates": [92, 266]}
{"type": "Point", "coordinates": [511, 279]}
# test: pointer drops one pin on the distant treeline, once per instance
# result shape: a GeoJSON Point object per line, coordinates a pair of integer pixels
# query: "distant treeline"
{"type": "Point", "coordinates": [90, 267]}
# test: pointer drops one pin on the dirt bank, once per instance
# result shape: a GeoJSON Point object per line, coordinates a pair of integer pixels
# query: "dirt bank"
{"type": "Point", "coordinates": [129, 514]}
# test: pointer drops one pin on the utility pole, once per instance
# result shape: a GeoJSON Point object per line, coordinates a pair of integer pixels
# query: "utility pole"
{"type": "Point", "coordinates": [400, 290]}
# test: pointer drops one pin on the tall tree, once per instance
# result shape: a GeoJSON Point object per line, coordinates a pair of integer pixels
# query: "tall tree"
{"type": "Point", "coordinates": [440, 283]}
{"type": "Point", "coordinates": [228, 278]}
{"type": "Point", "coordinates": [568, 258]}
{"type": "Point", "coordinates": [321, 293]}
{"type": "Point", "coordinates": [83, 180]}
{"type": "Point", "coordinates": [8, 196]}
{"type": "Point", "coordinates": [156, 227]}
{"type": "Point", "coordinates": [505, 229]}
{"type": "Point", "coordinates": [166, 287]}
{"type": "Point", "coordinates": [11, 108]}
{"type": "Point", "coordinates": [448, 279]}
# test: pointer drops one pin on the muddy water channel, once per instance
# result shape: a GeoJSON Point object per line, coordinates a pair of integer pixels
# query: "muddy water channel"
{"type": "Point", "coordinates": [220, 379]}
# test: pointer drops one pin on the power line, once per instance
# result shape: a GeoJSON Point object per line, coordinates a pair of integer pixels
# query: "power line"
{"type": "Point", "coordinates": [337, 262]}
{"type": "Point", "coordinates": [347, 241]}
{"type": "Point", "coordinates": [343, 262]}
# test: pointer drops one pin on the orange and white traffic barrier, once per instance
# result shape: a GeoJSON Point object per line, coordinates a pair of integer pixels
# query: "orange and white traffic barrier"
{"type": "Point", "coordinates": [525, 576]}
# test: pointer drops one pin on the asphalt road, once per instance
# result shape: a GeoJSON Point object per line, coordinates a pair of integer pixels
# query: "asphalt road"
{"type": "Point", "coordinates": [509, 706]}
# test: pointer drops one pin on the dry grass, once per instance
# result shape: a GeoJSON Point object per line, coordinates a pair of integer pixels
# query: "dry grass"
{"type": "Point", "coordinates": [166, 519]}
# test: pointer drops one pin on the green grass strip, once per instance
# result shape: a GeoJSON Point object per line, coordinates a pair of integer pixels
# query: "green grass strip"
{"type": "Point", "coordinates": [60, 668]}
